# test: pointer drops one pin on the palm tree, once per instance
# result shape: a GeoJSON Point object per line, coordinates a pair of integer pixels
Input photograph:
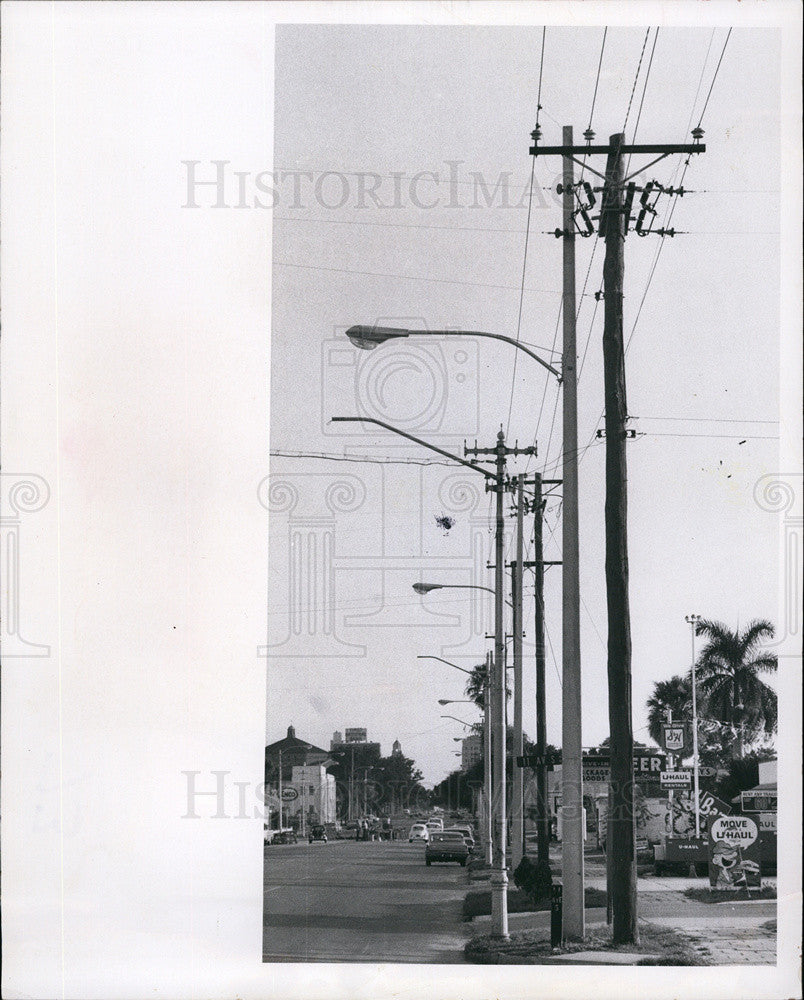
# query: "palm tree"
{"type": "Point", "coordinates": [728, 670]}
{"type": "Point", "coordinates": [674, 695]}
{"type": "Point", "coordinates": [476, 686]}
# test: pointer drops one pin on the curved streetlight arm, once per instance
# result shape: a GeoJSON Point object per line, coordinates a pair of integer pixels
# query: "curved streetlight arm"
{"type": "Point", "coordinates": [369, 337]}
{"type": "Point", "coordinates": [456, 719]}
{"type": "Point", "coordinates": [411, 437]}
{"type": "Point", "coordinates": [462, 669]}
{"type": "Point", "coordinates": [427, 587]}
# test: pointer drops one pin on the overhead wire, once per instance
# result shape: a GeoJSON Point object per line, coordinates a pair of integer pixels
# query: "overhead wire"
{"type": "Point", "coordinates": [527, 235]}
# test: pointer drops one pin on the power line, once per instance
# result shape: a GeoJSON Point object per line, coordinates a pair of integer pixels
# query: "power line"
{"type": "Point", "coordinates": [717, 69]}
{"type": "Point", "coordinates": [354, 458]}
{"type": "Point", "coordinates": [636, 78]}
{"type": "Point", "coordinates": [522, 289]}
{"type": "Point", "coordinates": [410, 277]}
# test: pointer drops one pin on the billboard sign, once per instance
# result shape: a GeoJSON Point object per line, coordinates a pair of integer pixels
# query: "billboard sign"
{"type": "Point", "coordinates": [289, 794]}
{"type": "Point", "coordinates": [674, 737]}
{"type": "Point", "coordinates": [675, 779]}
{"type": "Point", "coordinates": [596, 768]}
{"type": "Point", "coordinates": [759, 801]}
{"type": "Point", "coordinates": [356, 735]}
{"type": "Point", "coordinates": [734, 853]}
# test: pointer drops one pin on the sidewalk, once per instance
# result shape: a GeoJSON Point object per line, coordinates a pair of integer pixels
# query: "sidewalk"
{"type": "Point", "coordinates": [723, 933]}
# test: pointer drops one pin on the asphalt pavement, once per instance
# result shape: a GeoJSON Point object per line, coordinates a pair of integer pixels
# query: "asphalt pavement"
{"type": "Point", "coordinates": [347, 901]}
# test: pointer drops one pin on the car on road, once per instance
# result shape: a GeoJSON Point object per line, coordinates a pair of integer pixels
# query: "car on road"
{"type": "Point", "coordinates": [317, 833]}
{"type": "Point", "coordinates": [418, 831]}
{"type": "Point", "coordinates": [446, 845]}
{"type": "Point", "coordinates": [434, 824]}
{"type": "Point", "coordinates": [466, 833]}
{"type": "Point", "coordinates": [285, 837]}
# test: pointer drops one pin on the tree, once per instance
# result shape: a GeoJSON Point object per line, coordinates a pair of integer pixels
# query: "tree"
{"type": "Point", "coordinates": [674, 695]}
{"type": "Point", "coordinates": [476, 686]}
{"type": "Point", "coordinates": [728, 676]}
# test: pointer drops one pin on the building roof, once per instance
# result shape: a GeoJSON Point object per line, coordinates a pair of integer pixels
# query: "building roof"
{"type": "Point", "coordinates": [292, 742]}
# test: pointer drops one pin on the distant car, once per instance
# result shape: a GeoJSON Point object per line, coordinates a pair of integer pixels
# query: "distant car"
{"type": "Point", "coordinates": [285, 837]}
{"type": "Point", "coordinates": [317, 833]}
{"type": "Point", "coordinates": [418, 832]}
{"type": "Point", "coordinates": [447, 845]}
{"type": "Point", "coordinates": [434, 824]}
{"type": "Point", "coordinates": [466, 833]}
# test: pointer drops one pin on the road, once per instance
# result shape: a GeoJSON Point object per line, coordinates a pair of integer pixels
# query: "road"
{"type": "Point", "coordinates": [361, 902]}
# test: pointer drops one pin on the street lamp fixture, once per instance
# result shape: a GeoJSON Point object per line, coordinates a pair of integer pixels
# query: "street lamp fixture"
{"type": "Point", "coordinates": [425, 588]}
{"type": "Point", "coordinates": [456, 719]}
{"type": "Point", "coordinates": [369, 337]}
{"type": "Point", "coordinates": [451, 701]}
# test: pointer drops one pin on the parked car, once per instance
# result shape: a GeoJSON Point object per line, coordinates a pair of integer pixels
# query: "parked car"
{"type": "Point", "coordinates": [317, 833]}
{"type": "Point", "coordinates": [446, 845]}
{"type": "Point", "coordinates": [466, 833]}
{"type": "Point", "coordinates": [418, 831]}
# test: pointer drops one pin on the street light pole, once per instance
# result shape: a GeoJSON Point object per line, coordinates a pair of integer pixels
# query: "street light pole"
{"type": "Point", "coordinates": [517, 816]}
{"type": "Point", "coordinates": [487, 794]}
{"type": "Point", "coordinates": [692, 621]}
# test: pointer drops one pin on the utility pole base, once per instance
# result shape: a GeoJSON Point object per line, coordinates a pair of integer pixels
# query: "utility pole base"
{"type": "Point", "coordinates": [499, 904]}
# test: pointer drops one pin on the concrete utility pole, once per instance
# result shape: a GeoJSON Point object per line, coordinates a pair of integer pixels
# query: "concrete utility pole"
{"type": "Point", "coordinates": [692, 621]}
{"type": "Point", "coordinates": [542, 822]}
{"type": "Point", "coordinates": [488, 823]}
{"type": "Point", "coordinates": [517, 815]}
{"type": "Point", "coordinates": [495, 481]}
{"type": "Point", "coordinates": [499, 873]}
{"type": "Point", "coordinates": [572, 832]}
{"type": "Point", "coordinates": [614, 223]}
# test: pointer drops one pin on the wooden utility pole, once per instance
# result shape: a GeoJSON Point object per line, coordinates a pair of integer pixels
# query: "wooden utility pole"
{"type": "Point", "coordinates": [618, 193]}
{"type": "Point", "coordinates": [621, 818]}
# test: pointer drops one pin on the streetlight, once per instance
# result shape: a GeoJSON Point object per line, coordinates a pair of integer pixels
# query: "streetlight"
{"type": "Point", "coordinates": [369, 337]}
{"type": "Point", "coordinates": [456, 719]}
{"type": "Point", "coordinates": [452, 701]}
{"type": "Point", "coordinates": [487, 794]}
{"type": "Point", "coordinates": [692, 621]}
{"type": "Point", "coordinates": [425, 588]}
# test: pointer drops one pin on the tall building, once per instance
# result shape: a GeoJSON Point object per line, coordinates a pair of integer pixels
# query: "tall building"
{"type": "Point", "coordinates": [293, 752]}
{"type": "Point", "coordinates": [471, 751]}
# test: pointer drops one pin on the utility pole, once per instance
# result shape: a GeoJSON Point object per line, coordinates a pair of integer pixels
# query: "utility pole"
{"type": "Point", "coordinates": [280, 789]}
{"type": "Point", "coordinates": [621, 820]}
{"type": "Point", "coordinates": [572, 832]}
{"type": "Point", "coordinates": [499, 874]}
{"type": "Point", "coordinates": [615, 218]}
{"type": "Point", "coordinates": [545, 878]}
{"type": "Point", "coordinates": [517, 815]}
{"type": "Point", "coordinates": [488, 822]}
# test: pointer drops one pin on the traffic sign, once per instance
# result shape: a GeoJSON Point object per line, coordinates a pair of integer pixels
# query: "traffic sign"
{"type": "Point", "coordinates": [675, 779]}
{"type": "Point", "coordinates": [533, 760]}
{"type": "Point", "coordinates": [289, 794]}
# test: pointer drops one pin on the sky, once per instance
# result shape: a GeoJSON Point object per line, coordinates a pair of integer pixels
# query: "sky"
{"type": "Point", "coordinates": [433, 118]}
